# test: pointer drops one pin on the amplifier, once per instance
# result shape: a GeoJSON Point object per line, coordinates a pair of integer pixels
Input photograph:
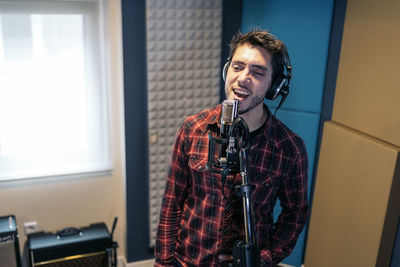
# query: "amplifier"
{"type": "Point", "coordinates": [87, 246]}
{"type": "Point", "coordinates": [9, 245]}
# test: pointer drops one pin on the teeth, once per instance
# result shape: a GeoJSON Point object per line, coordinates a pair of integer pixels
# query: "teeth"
{"type": "Point", "coordinates": [242, 92]}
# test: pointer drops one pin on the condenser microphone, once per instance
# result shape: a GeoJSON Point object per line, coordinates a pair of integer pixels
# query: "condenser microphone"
{"type": "Point", "coordinates": [228, 115]}
{"type": "Point", "coordinates": [221, 149]}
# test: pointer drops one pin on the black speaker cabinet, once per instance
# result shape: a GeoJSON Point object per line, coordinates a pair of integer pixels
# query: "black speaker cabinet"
{"type": "Point", "coordinates": [9, 245]}
{"type": "Point", "coordinates": [88, 246]}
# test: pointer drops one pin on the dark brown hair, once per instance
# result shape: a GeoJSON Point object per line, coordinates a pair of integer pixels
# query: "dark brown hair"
{"type": "Point", "coordinates": [265, 40]}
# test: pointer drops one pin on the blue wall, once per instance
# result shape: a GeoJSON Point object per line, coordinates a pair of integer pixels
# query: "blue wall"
{"type": "Point", "coordinates": [305, 27]}
{"type": "Point", "coordinates": [396, 250]}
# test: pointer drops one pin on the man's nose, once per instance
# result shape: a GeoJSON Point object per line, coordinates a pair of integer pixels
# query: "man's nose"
{"type": "Point", "coordinates": [244, 76]}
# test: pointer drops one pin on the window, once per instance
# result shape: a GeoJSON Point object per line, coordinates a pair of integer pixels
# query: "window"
{"type": "Point", "coordinates": [53, 89]}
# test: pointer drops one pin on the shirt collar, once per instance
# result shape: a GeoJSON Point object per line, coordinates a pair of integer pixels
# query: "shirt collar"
{"type": "Point", "coordinates": [213, 122]}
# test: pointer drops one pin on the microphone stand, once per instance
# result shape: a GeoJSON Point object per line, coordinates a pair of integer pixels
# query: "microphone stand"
{"type": "Point", "coordinates": [245, 252]}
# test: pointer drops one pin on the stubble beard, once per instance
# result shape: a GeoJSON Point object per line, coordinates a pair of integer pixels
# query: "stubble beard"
{"type": "Point", "coordinates": [254, 103]}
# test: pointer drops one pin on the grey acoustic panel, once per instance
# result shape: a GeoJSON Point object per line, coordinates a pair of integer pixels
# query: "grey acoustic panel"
{"type": "Point", "coordinates": [183, 74]}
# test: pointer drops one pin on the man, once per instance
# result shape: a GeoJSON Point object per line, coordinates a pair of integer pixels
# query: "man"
{"type": "Point", "coordinates": [201, 215]}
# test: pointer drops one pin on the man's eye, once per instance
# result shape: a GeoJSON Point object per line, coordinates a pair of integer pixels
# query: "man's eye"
{"type": "Point", "coordinates": [258, 73]}
{"type": "Point", "coordinates": [235, 67]}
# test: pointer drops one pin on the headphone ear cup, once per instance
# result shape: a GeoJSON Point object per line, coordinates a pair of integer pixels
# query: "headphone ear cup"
{"type": "Point", "coordinates": [225, 70]}
{"type": "Point", "coordinates": [276, 87]}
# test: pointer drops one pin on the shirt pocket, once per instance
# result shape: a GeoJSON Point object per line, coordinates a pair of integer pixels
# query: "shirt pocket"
{"type": "Point", "coordinates": [197, 162]}
{"type": "Point", "coordinates": [266, 187]}
{"type": "Point", "coordinates": [203, 181]}
{"type": "Point", "coordinates": [262, 189]}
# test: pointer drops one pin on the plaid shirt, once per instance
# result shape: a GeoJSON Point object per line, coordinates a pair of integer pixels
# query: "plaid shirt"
{"type": "Point", "coordinates": [198, 222]}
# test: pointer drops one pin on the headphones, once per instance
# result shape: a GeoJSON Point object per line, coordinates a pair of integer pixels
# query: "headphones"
{"type": "Point", "coordinates": [280, 83]}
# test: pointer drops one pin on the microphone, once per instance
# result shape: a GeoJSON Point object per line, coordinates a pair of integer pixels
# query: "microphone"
{"type": "Point", "coordinates": [222, 152]}
{"type": "Point", "coordinates": [228, 115]}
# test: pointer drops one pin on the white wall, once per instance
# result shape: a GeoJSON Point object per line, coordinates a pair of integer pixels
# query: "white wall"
{"type": "Point", "coordinates": [59, 202]}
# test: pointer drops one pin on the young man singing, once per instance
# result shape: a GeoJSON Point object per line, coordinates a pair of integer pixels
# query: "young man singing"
{"type": "Point", "coordinates": [201, 216]}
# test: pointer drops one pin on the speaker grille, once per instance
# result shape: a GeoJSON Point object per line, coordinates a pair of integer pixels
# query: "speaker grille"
{"type": "Point", "coordinates": [7, 252]}
{"type": "Point", "coordinates": [97, 259]}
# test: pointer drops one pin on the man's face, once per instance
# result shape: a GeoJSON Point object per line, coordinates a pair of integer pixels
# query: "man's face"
{"type": "Point", "coordinates": [249, 77]}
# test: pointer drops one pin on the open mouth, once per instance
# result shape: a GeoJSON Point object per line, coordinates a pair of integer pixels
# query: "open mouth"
{"type": "Point", "coordinates": [241, 93]}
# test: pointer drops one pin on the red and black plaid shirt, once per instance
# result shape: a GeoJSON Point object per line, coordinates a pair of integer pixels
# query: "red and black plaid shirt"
{"type": "Point", "coordinates": [198, 222]}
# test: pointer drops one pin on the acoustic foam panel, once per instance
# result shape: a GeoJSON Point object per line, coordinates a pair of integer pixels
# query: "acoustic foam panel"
{"type": "Point", "coordinates": [367, 95]}
{"type": "Point", "coordinates": [356, 201]}
{"type": "Point", "coordinates": [183, 74]}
